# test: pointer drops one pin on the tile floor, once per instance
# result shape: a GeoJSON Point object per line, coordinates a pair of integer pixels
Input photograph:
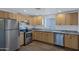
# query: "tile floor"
{"type": "Point", "coordinates": [38, 46]}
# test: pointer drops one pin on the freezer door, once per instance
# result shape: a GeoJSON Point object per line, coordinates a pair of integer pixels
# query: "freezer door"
{"type": "Point", "coordinates": [12, 40]}
{"type": "Point", "coordinates": [11, 24]}
{"type": "Point", "coordinates": [2, 24]}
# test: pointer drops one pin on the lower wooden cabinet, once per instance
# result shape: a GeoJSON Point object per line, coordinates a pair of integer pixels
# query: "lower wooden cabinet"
{"type": "Point", "coordinates": [71, 41]}
{"type": "Point", "coordinates": [21, 38]}
{"type": "Point", "coordinates": [47, 37]}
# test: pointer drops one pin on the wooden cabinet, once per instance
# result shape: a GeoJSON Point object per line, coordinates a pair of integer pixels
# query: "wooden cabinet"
{"type": "Point", "coordinates": [60, 19]}
{"type": "Point", "coordinates": [12, 16]}
{"type": "Point", "coordinates": [72, 18]}
{"type": "Point", "coordinates": [36, 35]}
{"type": "Point", "coordinates": [67, 19]}
{"type": "Point", "coordinates": [21, 38]}
{"type": "Point", "coordinates": [7, 15]}
{"type": "Point", "coordinates": [4, 14]}
{"type": "Point", "coordinates": [1, 15]}
{"type": "Point", "coordinates": [37, 20]}
{"type": "Point", "coordinates": [19, 17]}
{"type": "Point", "coordinates": [71, 41]}
{"type": "Point", "coordinates": [47, 37]}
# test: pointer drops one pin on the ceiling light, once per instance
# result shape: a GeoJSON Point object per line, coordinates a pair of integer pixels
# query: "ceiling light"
{"type": "Point", "coordinates": [59, 11]}
{"type": "Point", "coordinates": [24, 10]}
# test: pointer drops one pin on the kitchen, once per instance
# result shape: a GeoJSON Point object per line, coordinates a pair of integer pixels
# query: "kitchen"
{"type": "Point", "coordinates": [39, 29]}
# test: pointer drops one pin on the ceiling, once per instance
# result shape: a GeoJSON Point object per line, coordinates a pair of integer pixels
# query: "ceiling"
{"type": "Point", "coordinates": [38, 11]}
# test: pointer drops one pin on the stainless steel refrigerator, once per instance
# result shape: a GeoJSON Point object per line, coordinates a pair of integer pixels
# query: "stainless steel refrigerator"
{"type": "Point", "coordinates": [9, 34]}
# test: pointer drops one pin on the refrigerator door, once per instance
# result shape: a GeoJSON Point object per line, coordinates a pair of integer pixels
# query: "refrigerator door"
{"type": "Point", "coordinates": [2, 40]}
{"type": "Point", "coordinates": [2, 35]}
{"type": "Point", "coordinates": [12, 40]}
{"type": "Point", "coordinates": [1, 24]}
{"type": "Point", "coordinates": [11, 24]}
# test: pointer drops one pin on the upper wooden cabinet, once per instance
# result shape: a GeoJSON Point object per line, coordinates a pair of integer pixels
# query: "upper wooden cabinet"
{"type": "Point", "coordinates": [20, 17]}
{"type": "Point", "coordinates": [7, 15]}
{"type": "Point", "coordinates": [2, 14]}
{"type": "Point", "coordinates": [67, 19]}
{"type": "Point", "coordinates": [37, 20]}
{"type": "Point", "coordinates": [60, 19]}
{"type": "Point", "coordinates": [72, 18]}
{"type": "Point", "coordinates": [12, 16]}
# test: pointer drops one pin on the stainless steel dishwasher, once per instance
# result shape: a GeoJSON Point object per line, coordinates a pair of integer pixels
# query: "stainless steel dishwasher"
{"type": "Point", "coordinates": [59, 39]}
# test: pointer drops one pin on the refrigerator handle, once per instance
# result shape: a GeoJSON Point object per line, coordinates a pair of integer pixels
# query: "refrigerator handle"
{"type": "Point", "coordinates": [18, 30]}
{"type": "Point", "coordinates": [18, 33]}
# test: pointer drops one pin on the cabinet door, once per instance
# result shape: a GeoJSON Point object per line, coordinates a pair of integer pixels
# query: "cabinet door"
{"type": "Point", "coordinates": [12, 16]}
{"type": "Point", "coordinates": [36, 35]}
{"type": "Point", "coordinates": [74, 41]}
{"type": "Point", "coordinates": [33, 35]}
{"type": "Point", "coordinates": [72, 18]}
{"type": "Point", "coordinates": [6, 15]}
{"type": "Point", "coordinates": [36, 20]}
{"type": "Point", "coordinates": [50, 38]}
{"type": "Point", "coordinates": [19, 17]}
{"type": "Point", "coordinates": [1, 14]}
{"type": "Point", "coordinates": [60, 19]}
{"type": "Point", "coordinates": [33, 21]}
{"type": "Point", "coordinates": [39, 20]}
{"type": "Point", "coordinates": [67, 41]}
{"type": "Point", "coordinates": [68, 19]}
{"type": "Point", "coordinates": [71, 41]}
{"type": "Point", "coordinates": [40, 36]}
{"type": "Point", "coordinates": [21, 41]}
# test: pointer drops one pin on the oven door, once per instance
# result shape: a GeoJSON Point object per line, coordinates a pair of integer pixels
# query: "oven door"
{"type": "Point", "coordinates": [28, 34]}
{"type": "Point", "coordinates": [28, 38]}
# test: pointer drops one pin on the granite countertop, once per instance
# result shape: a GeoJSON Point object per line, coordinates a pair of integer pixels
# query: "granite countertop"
{"type": "Point", "coordinates": [59, 31]}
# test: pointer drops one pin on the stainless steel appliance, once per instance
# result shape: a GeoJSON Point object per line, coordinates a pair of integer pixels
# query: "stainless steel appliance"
{"type": "Point", "coordinates": [28, 37]}
{"type": "Point", "coordinates": [9, 34]}
{"type": "Point", "coordinates": [59, 39]}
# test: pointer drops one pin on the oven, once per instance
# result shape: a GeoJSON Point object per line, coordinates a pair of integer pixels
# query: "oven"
{"type": "Point", "coordinates": [27, 37]}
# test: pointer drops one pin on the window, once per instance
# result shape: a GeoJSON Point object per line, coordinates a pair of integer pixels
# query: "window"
{"type": "Point", "coordinates": [49, 22]}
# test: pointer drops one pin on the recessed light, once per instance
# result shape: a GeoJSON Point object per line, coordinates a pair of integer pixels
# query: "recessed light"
{"type": "Point", "coordinates": [59, 11]}
{"type": "Point", "coordinates": [24, 10]}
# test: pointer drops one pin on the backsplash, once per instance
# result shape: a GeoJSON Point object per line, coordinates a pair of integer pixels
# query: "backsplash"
{"type": "Point", "coordinates": [59, 27]}
{"type": "Point", "coordinates": [67, 27]}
